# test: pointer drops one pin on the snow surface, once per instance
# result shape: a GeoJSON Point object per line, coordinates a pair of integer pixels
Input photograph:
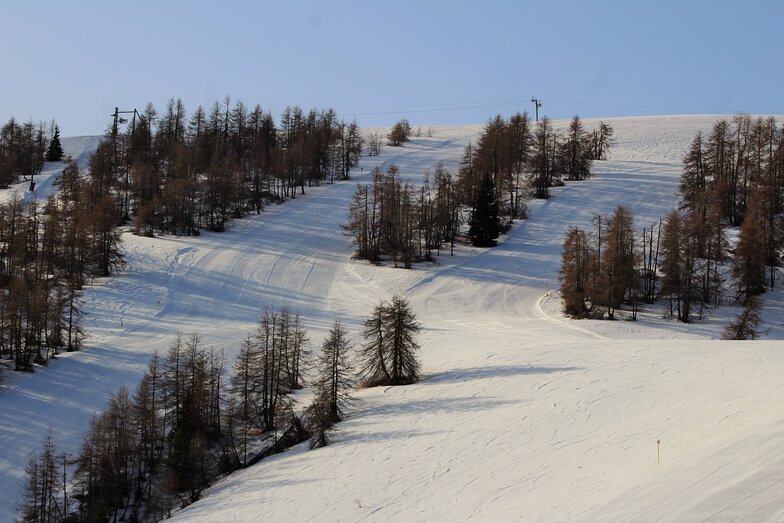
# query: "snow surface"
{"type": "Point", "coordinates": [522, 414]}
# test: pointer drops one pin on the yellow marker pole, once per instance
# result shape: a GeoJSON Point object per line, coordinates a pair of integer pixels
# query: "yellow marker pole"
{"type": "Point", "coordinates": [658, 448]}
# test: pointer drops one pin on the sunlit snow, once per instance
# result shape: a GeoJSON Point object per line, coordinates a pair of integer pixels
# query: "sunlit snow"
{"type": "Point", "coordinates": [522, 414]}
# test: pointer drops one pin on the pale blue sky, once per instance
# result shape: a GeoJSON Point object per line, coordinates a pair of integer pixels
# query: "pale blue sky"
{"type": "Point", "coordinates": [436, 62]}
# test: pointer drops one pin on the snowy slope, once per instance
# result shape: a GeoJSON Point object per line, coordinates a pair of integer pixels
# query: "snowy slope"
{"type": "Point", "coordinates": [78, 147]}
{"type": "Point", "coordinates": [522, 415]}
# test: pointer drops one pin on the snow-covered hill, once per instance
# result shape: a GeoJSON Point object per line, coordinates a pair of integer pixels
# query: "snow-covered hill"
{"type": "Point", "coordinates": [522, 413]}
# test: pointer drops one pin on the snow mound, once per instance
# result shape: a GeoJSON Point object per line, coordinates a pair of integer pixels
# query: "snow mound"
{"type": "Point", "coordinates": [80, 148]}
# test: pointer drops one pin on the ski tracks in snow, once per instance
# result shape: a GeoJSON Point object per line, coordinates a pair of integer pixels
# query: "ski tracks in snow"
{"type": "Point", "coordinates": [520, 414]}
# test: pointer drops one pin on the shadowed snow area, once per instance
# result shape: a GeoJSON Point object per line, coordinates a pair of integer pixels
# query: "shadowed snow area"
{"type": "Point", "coordinates": [522, 414]}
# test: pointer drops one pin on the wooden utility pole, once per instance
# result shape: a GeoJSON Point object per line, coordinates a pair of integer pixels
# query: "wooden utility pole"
{"type": "Point", "coordinates": [537, 103]}
{"type": "Point", "coordinates": [117, 121]}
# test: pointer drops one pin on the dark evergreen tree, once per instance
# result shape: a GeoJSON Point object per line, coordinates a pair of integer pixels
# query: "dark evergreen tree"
{"type": "Point", "coordinates": [55, 151]}
{"type": "Point", "coordinates": [485, 223]}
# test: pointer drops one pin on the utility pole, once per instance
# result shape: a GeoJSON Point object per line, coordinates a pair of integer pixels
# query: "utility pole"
{"type": "Point", "coordinates": [120, 120]}
{"type": "Point", "coordinates": [537, 104]}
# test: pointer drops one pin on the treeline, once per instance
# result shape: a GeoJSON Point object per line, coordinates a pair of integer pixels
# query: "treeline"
{"type": "Point", "coordinates": [601, 270]}
{"type": "Point", "coordinates": [526, 158]}
{"type": "Point", "coordinates": [738, 161]}
{"type": "Point", "coordinates": [162, 174]}
{"type": "Point", "coordinates": [735, 177]}
{"type": "Point", "coordinates": [22, 150]}
{"type": "Point", "coordinates": [177, 174]}
{"type": "Point", "coordinates": [511, 161]}
{"type": "Point", "coordinates": [46, 256]}
{"type": "Point", "coordinates": [615, 264]}
{"type": "Point", "coordinates": [187, 422]}
{"type": "Point", "coordinates": [392, 218]}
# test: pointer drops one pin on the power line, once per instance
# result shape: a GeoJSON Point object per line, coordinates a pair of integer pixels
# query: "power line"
{"type": "Point", "coordinates": [433, 110]}
{"type": "Point", "coordinates": [628, 106]}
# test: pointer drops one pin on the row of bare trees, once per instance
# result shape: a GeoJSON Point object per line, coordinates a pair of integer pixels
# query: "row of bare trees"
{"type": "Point", "coordinates": [158, 448]}
{"type": "Point", "coordinates": [22, 150]}
{"type": "Point", "coordinates": [394, 219]}
{"type": "Point", "coordinates": [46, 255]}
{"type": "Point", "coordinates": [163, 174]}
{"type": "Point", "coordinates": [735, 177]}
{"type": "Point", "coordinates": [679, 261]}
{"type": "Point", "coordinates": [600, 269]}
{"type": "Point", "coordinates": [683, 260]}
{"type": "Point", "coordinates": [177, 174]}
{"type": "Point", "coordinates": [739, 172]}
{"type": "Point", "coordinates": [736, 160]}
{"type": "Point", "coordinates": [502, 151]}
{"type": "Point", "coordinates": [525, 158]}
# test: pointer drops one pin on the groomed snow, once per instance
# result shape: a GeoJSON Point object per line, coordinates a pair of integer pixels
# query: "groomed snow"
{"type": "Point", "coordinates": [522, 415]}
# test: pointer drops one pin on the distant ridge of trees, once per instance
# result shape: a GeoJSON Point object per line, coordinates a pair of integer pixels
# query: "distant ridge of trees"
{"type": "Point", "coordinates": [175, 174]}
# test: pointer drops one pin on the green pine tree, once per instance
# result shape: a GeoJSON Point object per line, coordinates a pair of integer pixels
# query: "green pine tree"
{"type": "Point", "coordinates": [55, 151]}
{"type": "Point", "coordinates": [485, 224]}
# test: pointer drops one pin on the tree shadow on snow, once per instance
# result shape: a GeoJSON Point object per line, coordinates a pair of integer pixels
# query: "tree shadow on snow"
{"type": "Point", "coordinates": [496, 371]}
